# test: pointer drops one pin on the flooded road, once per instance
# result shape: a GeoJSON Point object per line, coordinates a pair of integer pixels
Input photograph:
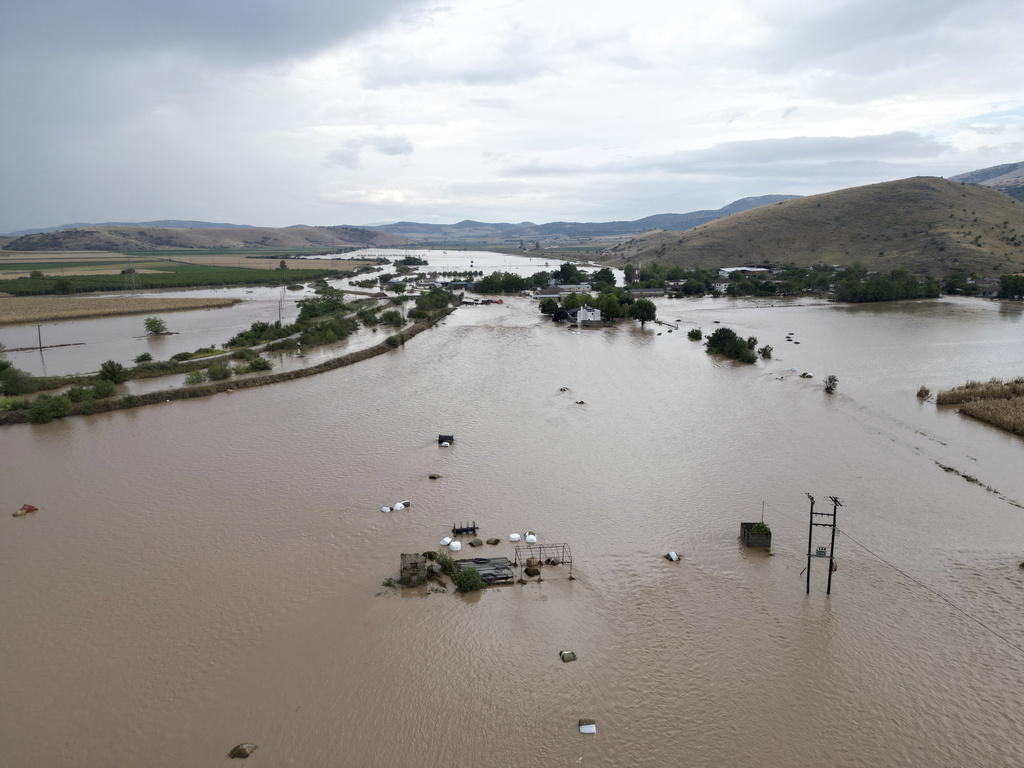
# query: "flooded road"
{"type": "Point", "coordinates": [205, 573]}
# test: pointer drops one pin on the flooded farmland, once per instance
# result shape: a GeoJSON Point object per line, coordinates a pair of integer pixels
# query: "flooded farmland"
{"type": "Point", "coordinates": [206, 573]}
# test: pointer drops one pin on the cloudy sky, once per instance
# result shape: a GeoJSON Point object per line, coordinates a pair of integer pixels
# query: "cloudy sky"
{"type": "Point", "coordinates": [277, 112]}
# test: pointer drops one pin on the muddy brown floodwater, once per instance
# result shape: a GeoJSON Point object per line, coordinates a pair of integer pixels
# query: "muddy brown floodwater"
{"type": "Point", "coordinates": [206, 573]}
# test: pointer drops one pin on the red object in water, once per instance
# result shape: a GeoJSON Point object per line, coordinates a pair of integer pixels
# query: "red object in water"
{"type": "Point", "coordinates": [28, 508]}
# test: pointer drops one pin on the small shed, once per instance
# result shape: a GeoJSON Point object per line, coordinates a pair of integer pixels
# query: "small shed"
{"type": "Point", "coordinates": [414, 569]}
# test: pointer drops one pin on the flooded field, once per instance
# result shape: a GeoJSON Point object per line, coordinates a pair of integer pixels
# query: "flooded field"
{"type": "Point", "coordinates": [206, 573]}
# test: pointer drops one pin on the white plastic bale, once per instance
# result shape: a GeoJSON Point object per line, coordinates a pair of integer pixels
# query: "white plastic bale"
{"type": "Point", "coordinates": [455, 546]}
{"type": "Point", "coordinates": [446, 541]}
{"type": "Point", "coordinates": [531, 538]}
{"type": "Point", "coordinates": [513, 537]}
{"type": "Point", "coordinates": [385, 509]}
{"type": "Point", "coordinates": [399, 506]}
{"type": "Point", "coordinates": [673, 557]}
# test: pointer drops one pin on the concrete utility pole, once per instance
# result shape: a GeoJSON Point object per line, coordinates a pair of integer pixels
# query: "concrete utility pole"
{"type": "Point", "coordinates": [828, 520]}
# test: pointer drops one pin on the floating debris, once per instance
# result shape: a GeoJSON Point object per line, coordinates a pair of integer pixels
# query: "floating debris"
{"type": "Point", "coordinates": [514, 537]}
{"type": "Point", "coordinates": [567, 656]}
{"type": "Point", "coordinates": [242, 751]}
{"type": "Point", "coordinates": [672, 556]}
{"type": "Point", "coordinates": [385, 509]}
{"type": "Point", "coordinates": [588, 726]}
{"type": "Point", "coordinates": [446, 541]}
{"type": "Point", "coordinates": [492, 542]}
{"type": "Point", "coordinates": [476, 543]}
{"type": "Point", "coordinates": [434, 476]}
{"type": "Point", "coordinates": [455, 546]}
{"type": "Point", "coordinates": [25, 510]}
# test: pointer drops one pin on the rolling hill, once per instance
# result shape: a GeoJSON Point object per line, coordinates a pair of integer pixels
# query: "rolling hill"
{"type": "Point", "coordinates": [130, 238]}
{"type": "Point", "coordinates": [925, 224]}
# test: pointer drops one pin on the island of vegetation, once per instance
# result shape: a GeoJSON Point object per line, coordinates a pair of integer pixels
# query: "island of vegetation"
{"type": "Point", "coordinates": [996, 402]}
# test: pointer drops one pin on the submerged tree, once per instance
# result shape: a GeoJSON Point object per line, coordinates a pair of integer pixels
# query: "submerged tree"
{"type": "Point", "coordinates": [643, 310]}
{"type": "Point", "coordinates": [831, 382]}
{"type": "Point", "coordinates": [155, 326]}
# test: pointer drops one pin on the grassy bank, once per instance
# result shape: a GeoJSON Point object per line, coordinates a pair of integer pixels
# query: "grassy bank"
{"type": "Point", "coordinates": [187, 393]}
{"type": "Point", "coordinates": [996, 402]}
{"type": "Point", "coordinates": [169, 275]}
{"type": "Point", "coordinates": [48, 309]}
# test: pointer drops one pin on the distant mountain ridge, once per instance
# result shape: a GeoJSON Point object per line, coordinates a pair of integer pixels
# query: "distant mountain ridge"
{"type": "Point", "coordinates": [1007, 178]}
{"type": "Point", "coordinates": [132, 238]}
{"type": "Point", "coordinates": [676, 222]}
{"type": "Point", "coordinates": [163, 224]}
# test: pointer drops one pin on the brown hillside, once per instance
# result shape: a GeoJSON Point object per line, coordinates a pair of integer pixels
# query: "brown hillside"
{"type": "Point", "coordinates": [118, 238]}
{"type": "Point", "coordinates": [926, 225]}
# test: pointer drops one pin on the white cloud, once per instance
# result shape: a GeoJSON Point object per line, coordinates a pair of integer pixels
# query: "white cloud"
{"type": "Point", "coordinates": [363, 111]}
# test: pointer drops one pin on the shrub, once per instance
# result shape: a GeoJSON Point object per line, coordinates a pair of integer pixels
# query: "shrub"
{"type": "Point", "coordinates": [12, 403]}
{"type": "Point", "coordinates": [113, 371]}
{"type": "Point", "coordinates": [14, 381]}
{"type": "Point", "coordinates": [181, 356]}
{"type": "Point", "coordinates": [831, 382]}
{"type": "Point", "coordinates": [468, 580]}
{"type": "Point", "coordinates": [195, 377]}
{"type": "Point", "coordinates": [765, 352]}
{"type": "Point", "coordinates": [218, 371]}
{"type": "Point", "coordinates": [103, 388]}
{"type": "Point", "coordinates": [393, 341]}
{"type": "Point", "coordinates": [259, 364]}
{"type": "Point", "coordinates": [145, 357]}
{"type": "Point", "coordinates": [924, 393]}
{"type": "Point", "coordinates": [695, 334]}
{"type": "Point", "coordinates": [295, 286]}
{"type": "Point", "coordinates": [392, 317]}
{"type": "Point", "coordinates": [446, 563]}
{"type": "Point", "coordinates": [130, 401]}
{"type": "Point", "coordinates": [761, 527]}
{"type": "Point", "coordinates": [46, 408]}
{"type": "Point", "coordinates": [78, 394]}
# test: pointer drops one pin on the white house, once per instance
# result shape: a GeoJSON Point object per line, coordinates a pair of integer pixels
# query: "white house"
{"type": "Point", "coordinates": [586, 316]}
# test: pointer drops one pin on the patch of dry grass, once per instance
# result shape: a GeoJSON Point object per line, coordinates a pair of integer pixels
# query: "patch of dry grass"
{"type": "Point", "coordinates": [46, 309]}
{"type": "Point", "coordinates": [1005, 414]}
{"type": "Point", "coordinates": [993, 389]}
{"type": "Point", "coordinates": [996, 402]}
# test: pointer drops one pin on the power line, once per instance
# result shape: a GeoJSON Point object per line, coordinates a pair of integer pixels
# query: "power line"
{"type": "Point", "coordinates": [938, 594]}
{"type": "Point", "coordinates": [919, 583]}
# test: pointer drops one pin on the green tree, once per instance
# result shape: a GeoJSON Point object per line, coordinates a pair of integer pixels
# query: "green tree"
{"type": "Point", "coordinates": [765, 352]}
{"type": "Point", "coordinates": [13, 381]}
{"type": "Point", "coordinates": [643, 310]}
{"type": "Point", "coordinates": [283, 265]}
{"type": "Point", "coordinates": [569, 274]}
{"type": "Point", "coordinates": [63, 286]}
{"type": "Point", "coordinates": [574, 301]}
{"type": "Point", "coordinates": [604, 276]}
{"type": "Point", "coordinates": [155, 326]}
{"type": "Point", "coordinates": [548, 305]}
{"type": "Point", "coordinates": [630, 273]}
{"type": "Point", "coordinates": [831, 382]}
{"type": "Point", "coordinates": [113, 372]}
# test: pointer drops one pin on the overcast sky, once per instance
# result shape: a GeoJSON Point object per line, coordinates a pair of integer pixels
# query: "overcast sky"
{"type": "Point", "coordinates": [277, 112]}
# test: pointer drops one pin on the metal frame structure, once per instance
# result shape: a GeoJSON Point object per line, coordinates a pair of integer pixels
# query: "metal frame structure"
{"type": "Point", "coordinates": [542, 551]}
